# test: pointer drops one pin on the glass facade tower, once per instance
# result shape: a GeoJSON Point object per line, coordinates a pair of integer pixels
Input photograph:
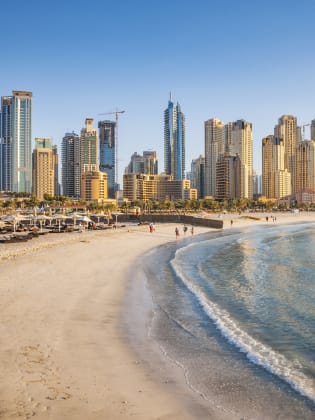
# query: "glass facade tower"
{"type": "Point", "coordinates": [107, 153]}
{"type": "Point", "coordinates": [174, 141]}
{"type": "Point", "coordinates": [6, 144]}
{"type": "Point", "coordinates": [71, 165]}
{"type": "Point", "coordinates": [22, 141]}
{"type": "Point", "coordinates": [16, 142]}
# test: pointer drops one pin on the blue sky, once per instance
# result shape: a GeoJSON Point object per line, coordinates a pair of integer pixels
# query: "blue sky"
{"type": "Point", "coordinates": [227, 59]}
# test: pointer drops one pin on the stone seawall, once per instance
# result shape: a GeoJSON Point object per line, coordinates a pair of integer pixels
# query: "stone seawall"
{"type": "Point", "coordinates": [178, 218]}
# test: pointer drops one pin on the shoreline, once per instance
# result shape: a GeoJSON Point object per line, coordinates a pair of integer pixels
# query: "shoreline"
{"type": "Point", "coordinates": [64, 352]}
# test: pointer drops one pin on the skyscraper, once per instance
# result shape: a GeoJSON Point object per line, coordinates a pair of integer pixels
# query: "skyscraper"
{"type": "Point", "coordinates": [89, 148]}
{"type": "Point", "coordinates": [276, 180]}
{"type": "Point", "coordinates": [288, 130]}
{"type": "Point", "coordinates": [70, 175]}
{"type": "Point", "coordinates": [6, 144]}
{"type": "Point", "coordinates": [44, 165]}
{"type": "Point", "coordinates": [242, 145]}
{"type": "Point", "coordinates": [228, 177]}
{"type": "Point", "coordinates": [174, 141]}
{"type": "Point", "coordinates": [108, 153]}
{"type": "Point", "coordinates": [16, 142]}
{"type": "Point", "coordinates": [22, 141]}
{"type": "Point", "coordinates": [214, 147]}
{"type": "Point", "coordinates": [143, 164]}
{"type": "Point", "coordinates": [305, 166]}
{"type": "Point", "coordinates": [198, 175]}
{"type": "Point", "coordinates": [313, 130]}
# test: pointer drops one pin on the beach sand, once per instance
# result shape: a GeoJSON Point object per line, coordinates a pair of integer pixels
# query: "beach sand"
{"type": "Point", "coordinates": [64, 351]}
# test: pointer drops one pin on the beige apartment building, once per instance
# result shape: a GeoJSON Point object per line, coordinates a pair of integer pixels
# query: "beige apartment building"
{"type": "Point", "coordinates": [214, 147]}
{"type": "Point", "coordinates": [242, 145]}
{"type": "Point", "coordinates": [89, 161]}
{"type": "Point", "coordinates": [288, 130]}
{"type": "Point", "coordinates": [156, 187]}
{"type": "Point", "coordinates": [94, 186]}
{"type": "Point", "coordinates": [276, 179]}
{"type": "Point", "coordinates": [305, 166]}
{"type": "Point", "coordinates": [229, 177]}
{"type": "Point", "coordinates": [45, 164]}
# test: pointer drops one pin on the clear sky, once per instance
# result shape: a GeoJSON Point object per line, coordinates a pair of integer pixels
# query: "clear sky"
{"type": "Point", "coordinates": [229, 59]}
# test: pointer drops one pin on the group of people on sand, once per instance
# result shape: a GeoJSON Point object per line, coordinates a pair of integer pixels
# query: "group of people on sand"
{"type": "Point", "coordinates": [185, 229]}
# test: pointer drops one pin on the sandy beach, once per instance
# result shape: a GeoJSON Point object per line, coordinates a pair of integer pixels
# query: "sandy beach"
{"type": "Point", "coordinates": [64, 353]}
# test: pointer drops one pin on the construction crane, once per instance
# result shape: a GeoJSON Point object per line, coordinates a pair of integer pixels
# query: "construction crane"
{"type": "Point", "coordinates": [116, 113]}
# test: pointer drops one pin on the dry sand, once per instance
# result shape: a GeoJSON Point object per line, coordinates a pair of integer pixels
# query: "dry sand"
{"type": "Point", "coordinates": [63, 352]}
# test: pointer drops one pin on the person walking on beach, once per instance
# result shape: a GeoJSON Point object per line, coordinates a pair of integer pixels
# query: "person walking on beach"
{"type": "Point", "coordinates": [231, 222]}
{"type": "Point", "coordinates": [176, 232]}
{"type": "Point", "coordinates": [185, 228]}
{"type": "Point", "coordinates": [192, 230]}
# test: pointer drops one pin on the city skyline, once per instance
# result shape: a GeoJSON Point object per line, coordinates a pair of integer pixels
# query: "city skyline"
{"type": "Point", "coordinates": [228, 61]}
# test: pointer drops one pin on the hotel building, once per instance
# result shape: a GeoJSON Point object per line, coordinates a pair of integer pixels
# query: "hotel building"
{"type": "Point", "coordinates": [108, 153]}
{"type": "Point", "coordinates": [16, 142]}
{"type": "Point", "coordinates": [94, 186]}
{"type": "Point", "coordinates": [147, 163]}
{"type": "Point", "coordinates": [6, 144]}
{"type": "Point", "coordinates": [288, 130]}
{"type": "Point", "coordinates": [228, 177]}
{"type": "Point", "coordinates": [305, 166]}
{"type": "Point", "coordinates": [197, 175]}
{"type": "Point", "coordinates": [174, 141]}
{"type": "Point", "coordinates": [276, 179]}
{"type": "Point", "coordinates": [214, 147]}
{"type": "Point", "coordinates": [45, 164]}
{"type": "Point", "coordinates": [156, 187]}
{"type": "Point", "coordinates": [70, 173]}
{"type": "Point", "coordinates": [242, 145]}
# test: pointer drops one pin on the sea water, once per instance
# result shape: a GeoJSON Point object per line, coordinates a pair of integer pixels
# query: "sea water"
{"type": "Point", "coordinates": [236, 311]}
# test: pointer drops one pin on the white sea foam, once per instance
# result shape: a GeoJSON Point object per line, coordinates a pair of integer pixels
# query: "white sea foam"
{"type": "Point", "coordinates": [256, 351]}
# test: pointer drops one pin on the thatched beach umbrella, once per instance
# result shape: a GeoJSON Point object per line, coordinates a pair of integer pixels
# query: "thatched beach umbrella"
{"type": "Point", "coordinates": [41, 218]}
{"type": "Point", "coordinates": [59, 218]}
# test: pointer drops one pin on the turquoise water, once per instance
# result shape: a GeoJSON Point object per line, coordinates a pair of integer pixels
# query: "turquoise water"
{"type": "Point", "coordinates": [236, 311]}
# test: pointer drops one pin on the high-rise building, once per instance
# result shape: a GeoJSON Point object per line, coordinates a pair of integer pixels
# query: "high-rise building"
{"type": "Point", "coordinates": [6, 144]}
{"type": "Point", "coordinates": [313, 129]}
{"type": "Point", "coordinates": [228, 177]}
{"type": "Point", "coordinates": [156, 187]}
{"type": "Point", "coordinates": [71, 173]}
{"type": "Point", "coordinates": [197, 176]}
{"type": "Point", "coordinates": [174, 141]}
{"type": "Point", "coordinates": [16, 142]}
{"type": "Point", "coordinates": [214, 147]}
{"type": "Point", "coordinates": [242, 145]}
{"type": "Point", "coordinates": [276, 179]}
{"type": "Point", "coordinates": [108, 153]}
{"type": "Point", "coordinates": [257, 187]}
{"type": "Point", "coordinates": [288, 130]}
{"type": "Point", "coordinates": [56, 169]}
{"type": "Point", "coordinates": [305, 166]}
{"type": "Point", "coordinates": [143, 164]}
{"type": "Point", "coordinates": [44, 165]}
{"type": "Point", "coordinates": [228, 137]}
{"type": "Point", "coordinates": [94, 186]}
{"type": "Point", "coordinates": [89, 148]}
{"type": "Point", "coordinates": [22, 141]}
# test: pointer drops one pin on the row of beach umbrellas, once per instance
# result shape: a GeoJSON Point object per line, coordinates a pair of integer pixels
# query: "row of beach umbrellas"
{"type": "Point", "coordinates": [17, 218]}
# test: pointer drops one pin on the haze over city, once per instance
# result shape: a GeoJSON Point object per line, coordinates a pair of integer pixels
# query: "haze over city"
{"type": "Point", "coordinates": [230, 60]}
